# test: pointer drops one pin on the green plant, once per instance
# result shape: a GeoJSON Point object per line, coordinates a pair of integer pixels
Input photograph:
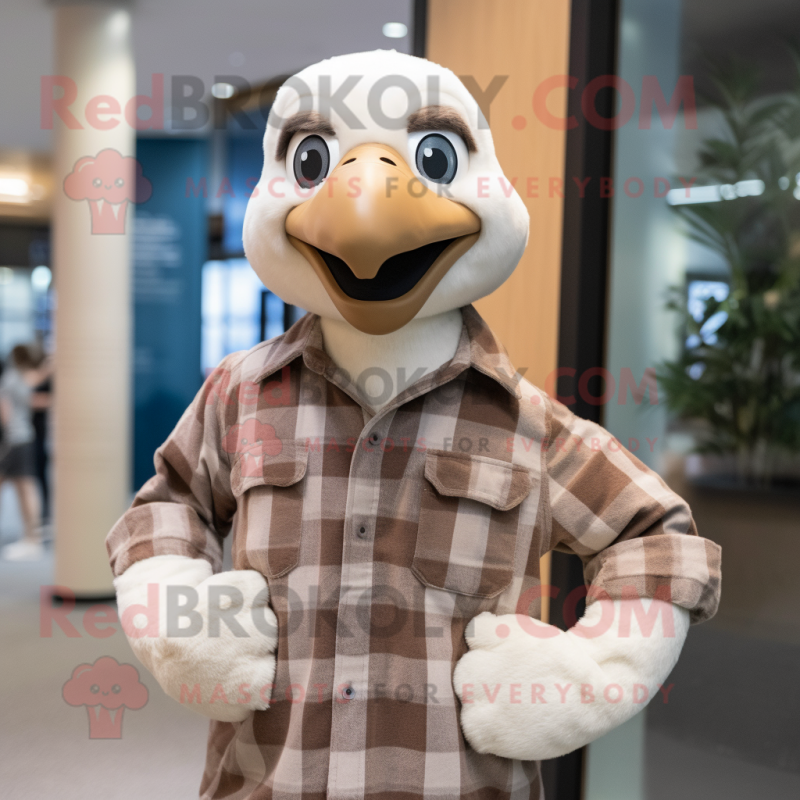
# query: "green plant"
{"type": "Point", "coordinates": [743, 380]}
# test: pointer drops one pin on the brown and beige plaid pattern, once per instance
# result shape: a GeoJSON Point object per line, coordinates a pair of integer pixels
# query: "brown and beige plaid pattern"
{"type": "Point", "coordinates": [381, 536]}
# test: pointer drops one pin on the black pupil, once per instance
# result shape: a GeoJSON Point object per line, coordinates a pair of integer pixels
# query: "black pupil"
{"type": "Point", "coordinates": [312, 166]}
{"type": "Point", "coordinates": [311, 161]}
{"type": "Point", "coordinates": [435, 164]}
{"type": "Point", "coordinates": [436, 158]}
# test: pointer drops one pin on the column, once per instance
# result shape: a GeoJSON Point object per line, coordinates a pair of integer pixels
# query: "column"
{"type": "Point", "coordinates": [92, 220]}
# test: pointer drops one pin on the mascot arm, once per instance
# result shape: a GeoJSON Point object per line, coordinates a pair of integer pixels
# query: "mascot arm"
{"type": "Point", "coordinates": [218, 657]}
{"type": "Point", "coordinates": [531, 691]}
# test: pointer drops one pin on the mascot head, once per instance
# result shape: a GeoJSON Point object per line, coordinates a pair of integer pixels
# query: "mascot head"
{"type": "Point", "coordinates": [381, 198]}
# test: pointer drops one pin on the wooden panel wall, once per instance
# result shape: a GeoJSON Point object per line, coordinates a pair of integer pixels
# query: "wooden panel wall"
{"type": "Point", "coordinates": [528, 40]}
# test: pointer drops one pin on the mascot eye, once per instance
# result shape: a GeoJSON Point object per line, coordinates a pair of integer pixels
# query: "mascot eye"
{"type": "Point", "coordinates": [97, 182]}
{"type": "Point", "coordinates": [116, 688]}
{"type": "Point", "coordinates": [436, 158]}
{"type": "Point", "coordinates": [94, 688]}
{"type": "Point", "coordinates": [119, 182]}
{"type": "Point", "coordinates": [311, 161]}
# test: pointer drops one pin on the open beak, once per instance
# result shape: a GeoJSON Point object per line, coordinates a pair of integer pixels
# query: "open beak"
{"type": "Point", "coordinates": [378, 239]}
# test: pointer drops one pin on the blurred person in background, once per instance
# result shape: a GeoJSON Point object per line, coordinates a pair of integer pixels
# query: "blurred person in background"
{"type": "Point", "coordinates": [2, 436]}
{"type": "Point", "coordinates": [18, 449]}
{"type": "Point", "coordinates": [41, 401]}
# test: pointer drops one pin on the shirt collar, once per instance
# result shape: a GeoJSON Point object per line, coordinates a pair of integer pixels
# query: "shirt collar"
{"type": "Point", "coordinates": [486, 352]}
{"type": "Point", "coordinates": [304, 339]}
{"type": "Point", "coordinates": [478, 348]}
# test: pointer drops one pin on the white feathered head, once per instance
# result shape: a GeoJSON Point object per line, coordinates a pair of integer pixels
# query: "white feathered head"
{"type": "Point", "coordinates": [381, 197]}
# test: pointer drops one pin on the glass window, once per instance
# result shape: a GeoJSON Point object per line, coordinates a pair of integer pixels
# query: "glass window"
{"type": "Point", "coordinates": [238, 312]}
{"type": "Point", "coordinates": [705, 279]}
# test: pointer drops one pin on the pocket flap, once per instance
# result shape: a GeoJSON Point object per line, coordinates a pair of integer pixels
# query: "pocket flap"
{"type": "Point", "coordinates": [259, 467]}
{"type": "Point", "coordinates": [499, 484]}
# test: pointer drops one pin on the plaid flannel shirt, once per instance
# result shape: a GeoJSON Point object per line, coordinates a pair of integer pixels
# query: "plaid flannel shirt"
{"type": "Point", "coordinates": [381, 535]}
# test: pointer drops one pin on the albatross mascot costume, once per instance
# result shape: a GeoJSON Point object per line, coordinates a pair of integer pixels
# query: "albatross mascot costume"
{"type": "Point", "coordinates": [389, 485]}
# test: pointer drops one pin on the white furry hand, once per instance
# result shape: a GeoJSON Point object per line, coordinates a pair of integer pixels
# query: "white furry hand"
{"type": "Point", "coordinates": [221, 663]}
{"type": "Point", "coordinates": [530, 691]}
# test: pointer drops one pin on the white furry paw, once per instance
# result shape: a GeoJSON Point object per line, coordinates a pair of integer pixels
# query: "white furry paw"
{"type": "Point", "coordinates": [209, 645]}
{"type": "Point", "coordinates": [530, 691]}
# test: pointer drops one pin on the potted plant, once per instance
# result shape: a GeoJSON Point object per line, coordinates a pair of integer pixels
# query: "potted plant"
{"type": "Point", "coordinates": [739, 372]}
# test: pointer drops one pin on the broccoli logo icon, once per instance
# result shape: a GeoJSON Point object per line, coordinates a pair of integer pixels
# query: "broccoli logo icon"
{"type": "Point", "coordinates": [106, 688]}
{"type": "Point", "coordinates": [252, 440]}
{"type": "Point", "coordinates": [109, 181]}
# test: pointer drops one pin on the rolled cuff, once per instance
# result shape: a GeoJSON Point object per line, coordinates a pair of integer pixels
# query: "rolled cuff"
{"type": "Point", "coordinates": [680, 568]}
{"type": "Point", "coordinates": [161, 529]}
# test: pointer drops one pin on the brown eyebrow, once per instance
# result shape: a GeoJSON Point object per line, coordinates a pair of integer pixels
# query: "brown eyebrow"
{"type": "Point", "coordinates": [441, 118]}
{"type": "Point", "coordinates": [302, 122]}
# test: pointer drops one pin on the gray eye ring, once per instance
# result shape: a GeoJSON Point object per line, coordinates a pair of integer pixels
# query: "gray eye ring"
{"type": "Point", "coordinates": [441, 157]}
{"type": "Point", "coordinates": [312, 160]}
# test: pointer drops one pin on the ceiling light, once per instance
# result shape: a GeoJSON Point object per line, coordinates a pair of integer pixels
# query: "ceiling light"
{"type": "Point", "coordinates": [395, 30]}
{"type": "Point", "coordinates": [752, 188]}
{"type": "Point", "coordinates": [713, 194]}
{"type": "Point", "coordinates": [783, 182]}
{"type": "Point", "coordinates": [697, 194]}
{"type": "Point", "coordinates": [119, 24]}
{"type": "Point", "coordinates": [223, 91]}
{"type": "Point", "coordinates": [14, 187]}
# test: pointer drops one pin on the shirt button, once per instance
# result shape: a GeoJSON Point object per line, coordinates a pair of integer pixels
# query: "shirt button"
{"type": "Point", "coordinates": [374, 438]}
{"type": "Point", "coordinates": [348, 692]}
{"type": "Point", "coordinates": [362, 532]}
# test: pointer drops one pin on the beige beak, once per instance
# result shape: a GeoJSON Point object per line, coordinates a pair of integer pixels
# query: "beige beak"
{"type": "Point", "coordinates": [370, 208]}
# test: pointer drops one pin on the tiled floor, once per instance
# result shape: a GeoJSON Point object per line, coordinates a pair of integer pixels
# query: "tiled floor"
{"type": "Point", "coordinates": [45, 749]}
{"type": "Point", "coordinates": [676, 770]}
{"type": "Point", "coordinates": [735, 695]}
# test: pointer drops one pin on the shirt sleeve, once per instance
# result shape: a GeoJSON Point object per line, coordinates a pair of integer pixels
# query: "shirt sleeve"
{"type": "Point", "coordinates": [187, 507]}
{"type": "Point", "coordinates": [635, 536]}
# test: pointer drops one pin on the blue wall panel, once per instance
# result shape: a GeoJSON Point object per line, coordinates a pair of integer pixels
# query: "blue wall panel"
{"type": "Point", "coordinates": [244, 160]}
{"type": "Point", "coordinates": [170, 247]}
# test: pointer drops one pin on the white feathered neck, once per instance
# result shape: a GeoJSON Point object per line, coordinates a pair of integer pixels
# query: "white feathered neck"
{"type": "Point", "coordinates": [416, 349]}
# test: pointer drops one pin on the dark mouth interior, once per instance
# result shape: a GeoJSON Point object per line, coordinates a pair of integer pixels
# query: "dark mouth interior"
{"type": "Point", "coordinates": [397, 275]}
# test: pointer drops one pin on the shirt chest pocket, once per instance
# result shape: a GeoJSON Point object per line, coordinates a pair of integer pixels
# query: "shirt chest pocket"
{"type": "Point", "coordinates": [469, 515]}
{"type": "Point", "coordinates": [269, 494]}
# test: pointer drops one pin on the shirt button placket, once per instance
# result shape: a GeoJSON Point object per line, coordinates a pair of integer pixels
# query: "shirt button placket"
{"type": "Point", "coordinates": [350, 671]}
{"type": "Point", "coordinates": [374, 439]}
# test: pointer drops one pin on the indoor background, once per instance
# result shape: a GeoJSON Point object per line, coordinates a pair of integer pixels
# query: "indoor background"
{"type": "Point", "coordinates": [632, 284]}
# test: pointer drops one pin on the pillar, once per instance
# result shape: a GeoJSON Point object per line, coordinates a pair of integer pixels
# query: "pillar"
{"type": "Point", "coordinates": [91, 258]}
